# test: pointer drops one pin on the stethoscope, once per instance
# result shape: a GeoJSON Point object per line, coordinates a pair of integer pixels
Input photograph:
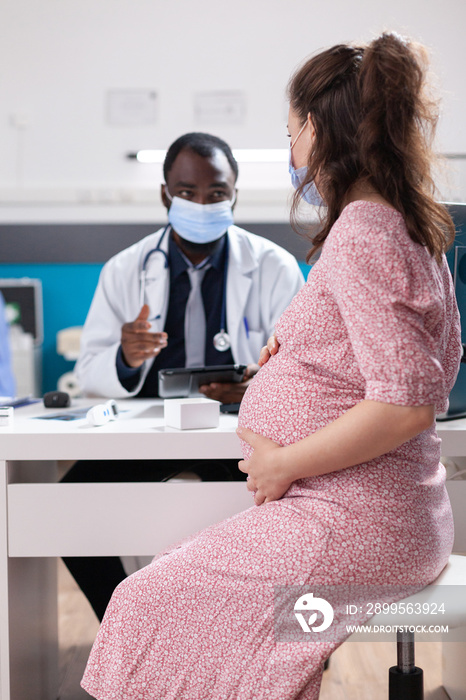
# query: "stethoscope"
{"type": "Point", "coordinates": [221, 340]}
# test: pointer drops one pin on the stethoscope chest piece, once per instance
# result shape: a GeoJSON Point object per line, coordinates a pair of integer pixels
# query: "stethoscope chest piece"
{"type": "Point", "coordinates": [222, 341]}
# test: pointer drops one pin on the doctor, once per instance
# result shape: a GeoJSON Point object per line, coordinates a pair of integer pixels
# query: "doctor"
{"type": "Point", "coordinates": [199, 291]}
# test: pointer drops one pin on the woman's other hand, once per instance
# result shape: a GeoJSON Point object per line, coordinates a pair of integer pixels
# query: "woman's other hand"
{"type": "Point", "coordinates": [268, 350]}
{"type": "Point", "coordinates": [264, 468]}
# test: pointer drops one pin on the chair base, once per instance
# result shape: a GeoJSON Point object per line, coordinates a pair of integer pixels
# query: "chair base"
{"type": "Point", "coordinates": [405, 686]}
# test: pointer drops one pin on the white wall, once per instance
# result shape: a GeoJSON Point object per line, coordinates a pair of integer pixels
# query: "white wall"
{"type": "Point", "coordinates": [58, 59]}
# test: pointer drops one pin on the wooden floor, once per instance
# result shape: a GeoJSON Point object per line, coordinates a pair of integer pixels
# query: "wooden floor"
{"type": "Point", "coordinates": [358, 671]}
{"type": "Point", "coordinates": [77, 628]}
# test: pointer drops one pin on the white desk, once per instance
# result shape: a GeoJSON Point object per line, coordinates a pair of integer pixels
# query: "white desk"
{"type": "Point", "coordinates": [41, 520]}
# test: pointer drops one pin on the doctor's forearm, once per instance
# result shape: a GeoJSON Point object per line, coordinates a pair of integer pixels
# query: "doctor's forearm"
{"type": "Point", "coordinates": [368, 430]}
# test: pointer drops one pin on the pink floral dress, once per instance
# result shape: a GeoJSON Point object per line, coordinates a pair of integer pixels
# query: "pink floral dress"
{"type": "Point", "coordinates": [377, 319]}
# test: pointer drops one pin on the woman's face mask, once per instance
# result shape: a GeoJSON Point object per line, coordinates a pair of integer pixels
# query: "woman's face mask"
{"type": "Point", "coordinates": [298, 175]}
{"type": "Point", "coordinates": [199, 223]}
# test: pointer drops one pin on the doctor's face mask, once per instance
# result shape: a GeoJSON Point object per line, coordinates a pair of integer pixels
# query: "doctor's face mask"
{"type": "Point", "coordinates": [199, 223]}
{"type": "Point", "coordinates": [200, 191]}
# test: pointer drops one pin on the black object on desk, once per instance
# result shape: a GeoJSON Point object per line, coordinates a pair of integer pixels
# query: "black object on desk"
{"type": "Point", "coordinates": [56, 399]}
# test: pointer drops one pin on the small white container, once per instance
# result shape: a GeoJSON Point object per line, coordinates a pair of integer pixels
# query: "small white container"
{"type": "Point", "coordinates": [191, 414]}
{"type": "Point", "coordinates": [7, 414]}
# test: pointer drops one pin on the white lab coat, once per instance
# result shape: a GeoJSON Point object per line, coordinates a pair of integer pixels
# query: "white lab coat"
{"type": "Point", "coordinates": [261, 281]}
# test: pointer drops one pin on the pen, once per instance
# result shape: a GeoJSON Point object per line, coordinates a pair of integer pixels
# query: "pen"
{"type": "Point", "coordinates": [142, 289]}
{"type": "Point", "coordinates": [246, 326]}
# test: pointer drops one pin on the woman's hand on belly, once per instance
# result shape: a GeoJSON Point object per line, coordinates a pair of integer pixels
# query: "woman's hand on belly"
{"type": "Point", "coordinates": [268, 350]}
{"type": "Point", "coordinates": [266, 475]}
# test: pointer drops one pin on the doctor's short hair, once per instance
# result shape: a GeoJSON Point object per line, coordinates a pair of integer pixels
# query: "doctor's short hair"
{"type": "Point", "coordinates": [204, 145]}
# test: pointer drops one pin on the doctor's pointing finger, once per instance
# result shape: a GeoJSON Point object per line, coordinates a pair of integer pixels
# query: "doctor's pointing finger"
{"type": "Point", "coordinates": [137, 343]}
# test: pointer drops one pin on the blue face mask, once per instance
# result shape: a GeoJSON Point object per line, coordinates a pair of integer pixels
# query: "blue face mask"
{"type": "Point", "coordinates": [199, 223]}
{"type": "Point", "coordinates": [310, 194]}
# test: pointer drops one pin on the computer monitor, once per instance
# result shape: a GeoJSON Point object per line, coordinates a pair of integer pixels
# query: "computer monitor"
{"type": "Point", "coordinates": [24, 296]}
{"type": "Point", "coordinates": [456, 257]}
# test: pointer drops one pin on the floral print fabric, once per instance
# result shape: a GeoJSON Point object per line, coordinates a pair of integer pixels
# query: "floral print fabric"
{"type": "Point", "coordinates": [377, 319]}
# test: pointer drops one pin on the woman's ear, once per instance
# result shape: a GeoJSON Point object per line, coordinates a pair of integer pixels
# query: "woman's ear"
{"type": "Point", "coordinates": [311, 126]}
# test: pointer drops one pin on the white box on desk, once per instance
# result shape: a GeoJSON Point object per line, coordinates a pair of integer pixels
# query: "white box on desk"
{"type": "Point", "coordinates": [191, 414]}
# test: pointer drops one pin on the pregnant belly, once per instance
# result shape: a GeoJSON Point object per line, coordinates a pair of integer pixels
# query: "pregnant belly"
{"type": "Point", "coordinates": [286, 402]}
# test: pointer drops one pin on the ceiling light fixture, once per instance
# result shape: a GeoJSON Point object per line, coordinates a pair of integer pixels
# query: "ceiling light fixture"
{"type": "Point", "coordinates": [242, 155]}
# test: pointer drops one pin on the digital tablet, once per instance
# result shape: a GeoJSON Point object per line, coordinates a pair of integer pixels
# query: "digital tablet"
{"type": "Point", "coordinates": [184, 382]}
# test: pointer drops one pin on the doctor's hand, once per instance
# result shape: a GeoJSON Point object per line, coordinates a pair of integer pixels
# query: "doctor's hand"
{"type": "Point", "coordinates": [265, 468]}
{"type": "Point", "coordinates": [268, 350]}
{"type": "Point", "coordinates": [229, 392]}
{"type": "Point", "coordinates": [137, 344]}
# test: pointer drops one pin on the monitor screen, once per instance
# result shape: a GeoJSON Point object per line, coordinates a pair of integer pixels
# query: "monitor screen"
{"type": "Point", "coordinates": [456, 257]}
{"type": "Point", "coordinates": [24, 297]}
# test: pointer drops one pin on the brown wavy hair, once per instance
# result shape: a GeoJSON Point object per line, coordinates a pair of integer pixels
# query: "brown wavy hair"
{"type": "Point", "coordinates": [374, 123]}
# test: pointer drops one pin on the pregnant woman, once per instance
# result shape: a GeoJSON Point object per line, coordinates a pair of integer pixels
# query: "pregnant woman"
{"type": "Point", "coordinates": [338, 427]}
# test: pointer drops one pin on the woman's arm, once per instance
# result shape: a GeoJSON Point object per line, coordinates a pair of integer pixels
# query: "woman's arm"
{"type": "Point", "coordinates": [366, 431]}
